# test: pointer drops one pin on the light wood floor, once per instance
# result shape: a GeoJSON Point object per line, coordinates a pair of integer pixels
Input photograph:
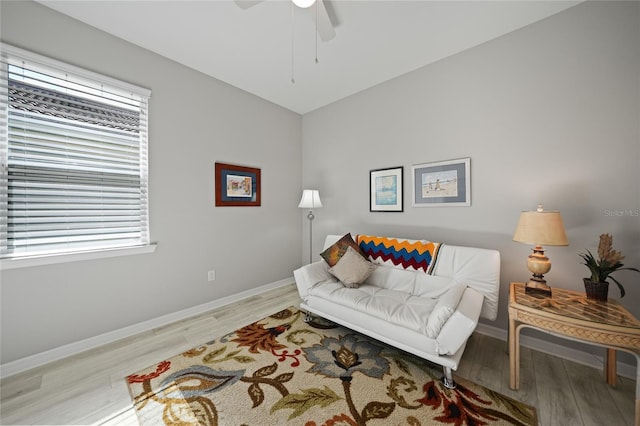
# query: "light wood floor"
{"type": "Point", "coordinates": [90, 389]}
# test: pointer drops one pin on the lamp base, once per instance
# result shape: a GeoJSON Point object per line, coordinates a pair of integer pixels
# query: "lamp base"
{"type": "Point", "coordinates": [538, 264]}
{"type": "Point", "coordinates": [537, 287]}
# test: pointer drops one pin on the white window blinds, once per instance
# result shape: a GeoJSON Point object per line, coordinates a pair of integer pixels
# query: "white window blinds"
{"type": "Point", "coordinates": [73, 153]}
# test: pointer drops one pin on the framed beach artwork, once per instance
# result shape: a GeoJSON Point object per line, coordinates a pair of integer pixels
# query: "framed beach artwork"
{"type": "Point", "coordinates": [444, 183]}
{"type": "Point", "coordinates": [237, 185]}
{"type": "Point", "coordinates": [385, 190]}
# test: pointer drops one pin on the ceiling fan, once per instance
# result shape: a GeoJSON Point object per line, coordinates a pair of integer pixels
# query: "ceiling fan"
{"type": "Point", "coordinates": [326, 30]}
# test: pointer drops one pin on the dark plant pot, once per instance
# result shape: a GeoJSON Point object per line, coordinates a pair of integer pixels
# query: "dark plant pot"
{"type": "Point", "coordinates": [596, 291]}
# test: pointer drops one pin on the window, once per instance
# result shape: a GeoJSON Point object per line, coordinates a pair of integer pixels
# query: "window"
{"type": "Point", "coordinates": [73, 159]}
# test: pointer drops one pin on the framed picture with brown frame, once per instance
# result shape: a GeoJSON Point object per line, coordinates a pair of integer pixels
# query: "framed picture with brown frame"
{"type": "Point", "coordinates": [237, 186]}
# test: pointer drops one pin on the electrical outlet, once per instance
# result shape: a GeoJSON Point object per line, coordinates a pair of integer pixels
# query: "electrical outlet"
{"type": "Point", "coordinates": [211, 275]}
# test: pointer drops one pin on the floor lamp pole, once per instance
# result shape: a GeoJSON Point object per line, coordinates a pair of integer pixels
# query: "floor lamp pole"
{"type": "Point", "coordinates": [310, 216]}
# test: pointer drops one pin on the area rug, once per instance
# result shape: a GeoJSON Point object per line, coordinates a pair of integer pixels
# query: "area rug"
{"type": "Point", "coordinates": [284, 371]}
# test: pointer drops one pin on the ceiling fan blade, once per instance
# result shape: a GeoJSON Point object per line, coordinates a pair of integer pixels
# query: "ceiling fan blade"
{"type": "Point", "coordinates": [246, 4]}
{"type": "Point", "coordinates": [325, 26]}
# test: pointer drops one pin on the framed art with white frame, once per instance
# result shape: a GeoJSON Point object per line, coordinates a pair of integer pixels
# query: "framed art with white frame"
{"type": "Point", "coordinates": [385, 190]}
{"type": "Point", "coordinates": [443, 183]}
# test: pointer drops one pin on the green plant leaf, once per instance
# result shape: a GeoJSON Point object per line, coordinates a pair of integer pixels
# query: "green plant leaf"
{"type": "Point", "coordinates": [293, 336]}
{"type": "Point", "coordinates": [266, 371]}
{"type": "Point", "coordinates": [284, 377]}
{"type": "Point", "coordinates": [622, 292]}
{"type": "Point", "coordinates": [256, 394]}
{"type": "Point", "coordinates": [243, 359]}
{"type": "Point", "coordinates": [399, 384]}
{"type": "Point", "coordinates": [214, 354]}
{"type": "Point", "coordinates": [309, 398]}
{"type": "Point", "coordinates": [377, 410]}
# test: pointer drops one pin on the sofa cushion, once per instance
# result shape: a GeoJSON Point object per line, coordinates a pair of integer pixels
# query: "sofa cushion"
{"type": "Point", "coordinates": [352, 269]}
{"type": "Point", "coordinates": [446, 306]}
{"type": "Point", "coordinates": [415, 283]}
{"type": "Point", "coordinates": [414, 255]}
{"type": "Point", "coordinates": [396, 307]}
{"type": "Point", "coordinates": [333, 253]}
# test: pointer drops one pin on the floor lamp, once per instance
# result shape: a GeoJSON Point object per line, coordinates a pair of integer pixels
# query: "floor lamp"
{"type": "Point", "coordinates": [310, 200]}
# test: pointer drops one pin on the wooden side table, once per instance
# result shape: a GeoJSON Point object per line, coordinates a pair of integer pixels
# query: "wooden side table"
{"type": "Point", "coordinates": [571, 315]}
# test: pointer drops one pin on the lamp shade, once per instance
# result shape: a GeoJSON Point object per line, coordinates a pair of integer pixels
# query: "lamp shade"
{"type": "Point", "coordinates": [310, 199]}
{"type": "Point", "coordinates": [541, 228]}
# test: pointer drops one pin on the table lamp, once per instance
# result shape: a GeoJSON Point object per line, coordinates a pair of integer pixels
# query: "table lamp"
{"type": "Point", "coordinates": [540, 227]}
{"type": "Point", "coordinates": [310, 200]}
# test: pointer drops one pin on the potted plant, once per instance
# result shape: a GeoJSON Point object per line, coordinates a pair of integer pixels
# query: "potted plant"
{"type": "Point", "coordinates": [608, 262]}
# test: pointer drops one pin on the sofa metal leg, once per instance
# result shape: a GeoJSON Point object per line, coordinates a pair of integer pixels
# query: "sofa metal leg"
{"type": "Point", "coordinates": [447, 380]}
{"type": "Point", "coordinates": [308, 317]}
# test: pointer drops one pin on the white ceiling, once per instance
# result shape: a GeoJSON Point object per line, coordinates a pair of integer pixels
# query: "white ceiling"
{"type": "Point", "coordinates": [252, 48]}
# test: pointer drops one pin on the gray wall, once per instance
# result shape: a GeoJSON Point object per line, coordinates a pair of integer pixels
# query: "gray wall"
{"type": "Point", "coordinates": [195, 121]}
{"type": "Point", "coordinates": [549, 113]}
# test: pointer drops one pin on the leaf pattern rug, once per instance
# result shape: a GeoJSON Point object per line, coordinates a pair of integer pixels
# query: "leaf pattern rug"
{"type": "Point", "coordinates": [284, 371]}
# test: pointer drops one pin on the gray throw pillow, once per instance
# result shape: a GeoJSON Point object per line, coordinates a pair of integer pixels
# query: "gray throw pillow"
{"type": "Point", "coordinates": [352, 268]}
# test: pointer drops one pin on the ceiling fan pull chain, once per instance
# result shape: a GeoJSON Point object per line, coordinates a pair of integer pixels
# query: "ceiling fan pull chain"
{"type": "Point", "coordinates": [292, 45]}
{"type": "Point", "coordinates": [316, 6]}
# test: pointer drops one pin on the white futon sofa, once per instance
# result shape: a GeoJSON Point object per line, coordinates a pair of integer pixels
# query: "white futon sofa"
{"type": "Point", "coordinates": [428, 308]}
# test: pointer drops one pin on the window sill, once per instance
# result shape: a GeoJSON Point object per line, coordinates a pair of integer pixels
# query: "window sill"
{"type": "Point", "coordinates": [74, 257]}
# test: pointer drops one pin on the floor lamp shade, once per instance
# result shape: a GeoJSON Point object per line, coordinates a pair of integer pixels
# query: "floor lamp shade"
{"type": "Point", "coordinates": [540, 228]}
{"type": "Point", "coordinates": [310, 200]}
{"type": "Point", "coordinates": [304, 3]}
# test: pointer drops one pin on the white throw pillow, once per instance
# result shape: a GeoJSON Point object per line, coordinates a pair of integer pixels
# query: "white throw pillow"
{"type": "Point", "coordinates": [352, 268]}
{"type": "Point", "coordinates": [446, 306]}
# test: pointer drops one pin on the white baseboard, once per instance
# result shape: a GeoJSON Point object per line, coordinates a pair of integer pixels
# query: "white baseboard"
{"type": "Point", "coordinates": [575, 355]}
{"type": "Point", "coordinates": [32, 361]}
